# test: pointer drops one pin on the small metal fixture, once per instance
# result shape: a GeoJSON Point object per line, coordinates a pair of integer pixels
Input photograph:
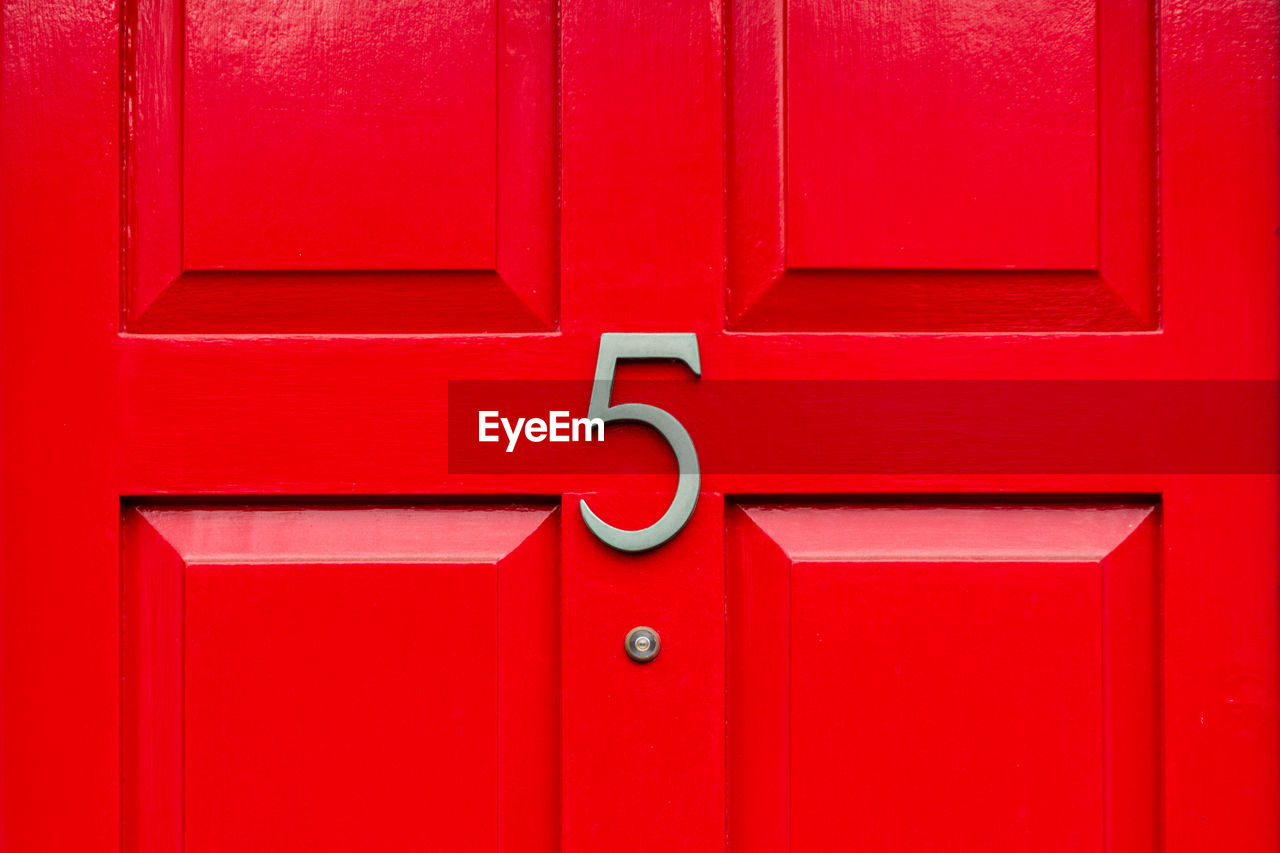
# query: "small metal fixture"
{"type": "Point", "coordinates": [642, 644]}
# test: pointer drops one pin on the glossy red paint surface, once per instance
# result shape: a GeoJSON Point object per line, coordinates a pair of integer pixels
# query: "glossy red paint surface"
{"type": "Point", "coordinates": [966, 135]}
{"type": "Point", "coordinates": [246, 247]}
{"type": "Point", "coordinates": [884, 134]}
{"type": "Point", "coordinates": [1031, 630]}
{"type": "Point", "coordinates": [339, 677]}
{"type": "Point", "coordinates": [321, 168]}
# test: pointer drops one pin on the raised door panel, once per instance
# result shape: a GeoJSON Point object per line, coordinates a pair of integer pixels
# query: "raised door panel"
{"type": "Point", "coordinates": [310, 166]}
{"type": "Point", "coordinates": [955, 166]}
{"type": "Point", "coordinates": [308, 678]}
{"type": "Point", "coordinates": [943, 677]}
{"type": "Point", "coordinates": [339, 135]}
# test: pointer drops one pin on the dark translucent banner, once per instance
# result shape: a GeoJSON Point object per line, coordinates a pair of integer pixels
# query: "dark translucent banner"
{"type": "Point", "coordinates": [916, 427]}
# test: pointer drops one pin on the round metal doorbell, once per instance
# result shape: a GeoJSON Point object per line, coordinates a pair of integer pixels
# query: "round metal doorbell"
{"type": "Point", "coordinates": [642, 644]}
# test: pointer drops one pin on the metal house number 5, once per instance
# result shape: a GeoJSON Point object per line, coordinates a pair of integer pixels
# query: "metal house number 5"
{"type": "Point", "coordinates": [615, 347]}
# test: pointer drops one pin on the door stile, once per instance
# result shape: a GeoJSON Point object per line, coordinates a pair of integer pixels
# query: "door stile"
{"type": "Point", "coordinates": [643, 743]}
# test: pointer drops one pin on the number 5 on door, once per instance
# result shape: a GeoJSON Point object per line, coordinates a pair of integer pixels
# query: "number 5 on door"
{"type": "Point", "coordinates": [615, 347]}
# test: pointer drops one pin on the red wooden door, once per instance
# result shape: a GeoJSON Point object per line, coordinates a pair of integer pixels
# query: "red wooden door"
{"type": "Point", "coordinates": [258, 594]}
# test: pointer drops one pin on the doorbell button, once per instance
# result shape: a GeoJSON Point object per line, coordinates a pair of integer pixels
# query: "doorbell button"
{"type": "Point", "coordinates": [642, 644]}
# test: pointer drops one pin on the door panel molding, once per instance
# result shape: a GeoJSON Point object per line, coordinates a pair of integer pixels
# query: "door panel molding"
{"type": "Point", "coordinates": [875, 185]}
{"type": "Point", "coordinates": [994, 666]}
{"type": "Point", "coordinates": [298, 676]}
{"type": "Point", "coordinates": [407, 195]}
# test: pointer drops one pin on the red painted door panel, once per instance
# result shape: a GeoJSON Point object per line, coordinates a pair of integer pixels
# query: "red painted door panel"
{"type": "Point", "coordinates": [308, 678]}
{"type": "Point", "coordinates": [943, 677]}
{"type": "Point", "coordinates": [250, 603]}
{"type": "Point", "coordinates": [338, 167]}
{"type": "Point", "coordinates": [966, 135]}
{"type": "Point", "coordinates": [943, 167]}
{"type": "Point", "coordinates": [383, 116]}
